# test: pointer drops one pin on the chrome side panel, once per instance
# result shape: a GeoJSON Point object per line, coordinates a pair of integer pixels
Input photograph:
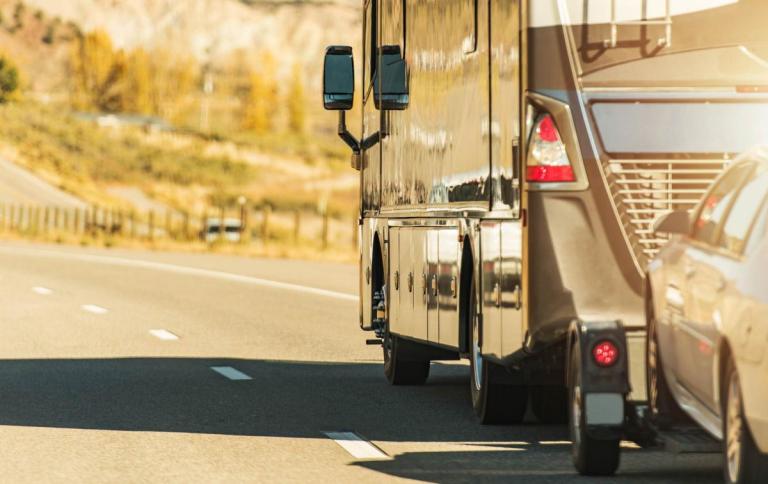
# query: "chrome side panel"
{"type": "Point", "coordinates": [513, 292]}
{"type": "Point", "coordinates": [505, 105]}
{"type": "Point", "coordinates": [393, 282]}
{"type": "Point", "coordinates": [491, 277]}
{"type": "Point", "coordinates": [371, 159]}
{"type": "Point", "coordinates": [448, 286]}
{"type": "Point", "coordinates": [436, 155]}
{"type": "Point", "coordinates": [420, 284]}
{"type": "Point", "coordinates": [423, 283]}
{"type": "Point", "coordinates": [432, 260]}
{"type": "Point", "coordinates": [367, 230]}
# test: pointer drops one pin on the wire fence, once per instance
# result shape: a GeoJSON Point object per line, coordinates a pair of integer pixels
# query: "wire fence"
{"type": "Point", "coordinates": [222, 225]}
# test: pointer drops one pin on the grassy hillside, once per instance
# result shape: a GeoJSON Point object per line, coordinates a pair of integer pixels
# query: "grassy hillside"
{"type": "Point", "coordinates": [184, 170]}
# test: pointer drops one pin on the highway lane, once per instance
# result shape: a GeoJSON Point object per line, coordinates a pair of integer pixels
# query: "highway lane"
{"type": "Point", "coordinates": [89, 394]}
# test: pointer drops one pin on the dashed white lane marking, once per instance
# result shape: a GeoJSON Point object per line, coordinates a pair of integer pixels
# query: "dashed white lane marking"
{"type": "Point", "coordinates": [92, 308]}
{"type": "Point", "coordinates": [43, 291]}
{"type": "Point", "coordinates": [230, 373]}
{"type": "Point", "coordinates": [191, 271]}
{"type": "Point", "coordinates": [163, 334]}
{"type": "Point", "coordinates": [358, 447]}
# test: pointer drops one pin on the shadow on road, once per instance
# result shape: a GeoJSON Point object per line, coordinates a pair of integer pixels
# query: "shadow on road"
{"type": "Point", "coordinates": [295, 399]}
{"type": "Point", "coordinates": [284, 399]}
{"type": "Point", "coordinates": [539, 464]}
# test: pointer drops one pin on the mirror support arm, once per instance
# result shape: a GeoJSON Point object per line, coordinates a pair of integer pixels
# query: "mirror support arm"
{"type": "Point", "coordinates": [352, 142]}
{"type": "Point", "coordinates": [345, 135]}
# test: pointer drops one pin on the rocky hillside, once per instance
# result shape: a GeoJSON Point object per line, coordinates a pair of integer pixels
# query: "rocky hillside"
{"type": "Point", "coordinates": [210, 30]}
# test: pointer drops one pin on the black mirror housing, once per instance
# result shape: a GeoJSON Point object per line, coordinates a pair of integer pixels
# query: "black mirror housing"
{"type": "Point", "coordinates": [392, 93]}
{"type": "Point", "coordinates": [338, 78]}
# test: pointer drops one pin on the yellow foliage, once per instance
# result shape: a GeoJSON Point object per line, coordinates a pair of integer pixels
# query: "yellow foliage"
{"type": "Point", "coordinates": [261, 102]}
{"type": "Point", "coordinates": [137, 89]}
{"type": "Point", "coordinates": [297, 102]}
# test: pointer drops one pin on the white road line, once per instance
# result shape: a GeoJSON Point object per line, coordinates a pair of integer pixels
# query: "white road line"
{"type": "Point", "coordinates": [163, 334]}
{"type": "Point", "coordinates": [43, 291]}
{"type": "Point", "coordinates": [231, 373]}
{"type": "Point", "coordinates": [357, 447]}
{"type": "Point", "coordinates": [190, 271]}
{"type": "Point", "coordinates": [92, 308]}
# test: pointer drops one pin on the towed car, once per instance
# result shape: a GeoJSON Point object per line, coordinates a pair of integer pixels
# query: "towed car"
{"type": "Point", "coordinates": [707, 312]}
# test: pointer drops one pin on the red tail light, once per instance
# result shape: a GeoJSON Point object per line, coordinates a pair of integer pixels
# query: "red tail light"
{"type": "Point", "coordinates": [605, 353]}
{"type": "Point", "coordinates": [547, 160]}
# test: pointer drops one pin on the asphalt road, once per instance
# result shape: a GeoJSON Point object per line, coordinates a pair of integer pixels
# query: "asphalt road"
{"type": "Point", "coordinates": [89, 394]}
{"type": "Point", "coordinates": [18, 186]}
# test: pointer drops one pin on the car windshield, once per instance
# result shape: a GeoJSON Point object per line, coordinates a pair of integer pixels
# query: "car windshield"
{"type": "Point", "coordinates": [709, 43]}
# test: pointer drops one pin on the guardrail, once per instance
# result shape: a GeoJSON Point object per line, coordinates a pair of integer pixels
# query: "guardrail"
{"type": "Point", "coordinates": [242, 226]}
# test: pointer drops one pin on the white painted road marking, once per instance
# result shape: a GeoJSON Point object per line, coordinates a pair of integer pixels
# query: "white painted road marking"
{"type": "Point", "coordinates": [92, 308]}
{"type": "Point", "coordinates": [190, 271]}
{"type": "Point", "coordinates": [43, 291]}
{"type": "Point", "coordinates": [357, 447]}
{"type": "Point", "coordinates": [163, 334]}
{"type": "Point", "coordinates": [231, 373]}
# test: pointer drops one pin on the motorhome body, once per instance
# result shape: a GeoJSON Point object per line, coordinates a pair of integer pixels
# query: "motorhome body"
{"type": "Point", "coordinates": [515, 191]}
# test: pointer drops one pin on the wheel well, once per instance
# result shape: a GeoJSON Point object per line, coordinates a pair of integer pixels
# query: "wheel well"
{"type": "Point", "coordinates": [722, 366]}
{"type": "Point", "coordinates": [377, 265]}
{"type": "Point", "coordinates": [465, 286]}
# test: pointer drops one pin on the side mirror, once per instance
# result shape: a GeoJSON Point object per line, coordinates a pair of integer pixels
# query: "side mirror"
{"type": "Point", "coordinates": [390, 88]}
{"type": "Point", "coordinates": [678, 222]}
{"type": "Point", "coordinates": [338, 78]}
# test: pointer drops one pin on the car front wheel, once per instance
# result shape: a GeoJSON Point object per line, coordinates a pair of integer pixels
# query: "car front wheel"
{"type": "Point", "coordinates": [743, 461]}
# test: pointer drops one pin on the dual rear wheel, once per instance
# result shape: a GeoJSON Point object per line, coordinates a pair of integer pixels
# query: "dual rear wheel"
{"type": "Point", "coordinates": [494, 400]}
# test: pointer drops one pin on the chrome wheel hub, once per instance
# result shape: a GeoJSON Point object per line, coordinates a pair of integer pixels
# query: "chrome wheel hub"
{"type": "Point", "coordinates": [733, 429]}
{"type": "Point", "coordinates": [576, 415]}
{"type": "Point", "coordinates": [477, 358]}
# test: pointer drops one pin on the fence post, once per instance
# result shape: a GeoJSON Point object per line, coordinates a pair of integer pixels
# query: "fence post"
{"type": "Point", "coordinates": [265, 223]}
{"type": "Point", "coordinates": [222, 228]}
{"type": "Point", "coordinates": [151, 233]}
{"type": "Point", "coordinates": [185, 226]}
{"type": "Point", "coordinates": [64, 220]}
{"type": "Point", "coordinates": [47, 220]}
{"type": "Point", "coordinates": [325, 229]}
{"type": "Point", "coordinates": [168, 225]}
{"type": "Point", "coordinates": [296, 226]}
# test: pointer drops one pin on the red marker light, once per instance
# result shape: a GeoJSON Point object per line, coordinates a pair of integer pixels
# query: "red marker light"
{"type": "Point", "coordinates": [547, 158]}
{"type": "Point", "coordinates": [605, 353]}
{"type": "Point", "coordinates": [547, 130]}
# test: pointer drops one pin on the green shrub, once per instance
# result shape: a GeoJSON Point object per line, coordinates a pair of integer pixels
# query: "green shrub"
{"type": "Point", "coordinates": [9, 79]}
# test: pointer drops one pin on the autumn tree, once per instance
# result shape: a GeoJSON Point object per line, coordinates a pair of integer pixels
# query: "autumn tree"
{"type": "Point", "coordinates": [174, 79]}
{"type": "Point", "coordinates": [137, 84]}
{"type": "Point", "coordinates": [260, 103]}
{"type": "Point", "coordinates": [9, 79]}
{"type": "Point", "coordinates": [297, 102]}
{"type": "Point", "coordinates": [96, 71]}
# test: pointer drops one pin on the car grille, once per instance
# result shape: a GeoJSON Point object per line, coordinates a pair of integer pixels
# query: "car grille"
{"type": "Point", "coordinates": [643, 189]}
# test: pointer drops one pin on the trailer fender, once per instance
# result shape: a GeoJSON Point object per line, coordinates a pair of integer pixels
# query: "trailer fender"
{"type": "Point", "coordinates": [603, 388]}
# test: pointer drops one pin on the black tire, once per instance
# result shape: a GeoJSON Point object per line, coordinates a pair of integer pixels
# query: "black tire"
{"type": "Point", "coordinates": [400, 371]}
{"type": "Point", "coordinates": [591, 457]}
{"type": "Point", "coordinates": [494, 403]}
{"type": "Point", "coordinates": [550, 404]}
{"type": "Point", "coordinates": [664, 410]}
{"type": "Point", "coordinates": [742, 460]}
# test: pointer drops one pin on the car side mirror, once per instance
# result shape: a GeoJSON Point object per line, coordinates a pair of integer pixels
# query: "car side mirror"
{"type": "Point", "coordinates": [338, 78]}
{"type": "Point", "coordinates": [677, 222]}
{"type": "Point", "coordinates": [390, 87]}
